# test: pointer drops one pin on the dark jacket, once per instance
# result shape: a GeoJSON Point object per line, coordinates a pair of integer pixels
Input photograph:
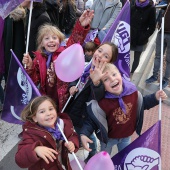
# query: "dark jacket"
{"type": "Point", "coordinates": [77, 107]}
{"type": "Point", "coordinates": [143, 23]}
{"type": "Point", "coordinates": [67, 18]}
{"type": "Point", "coordinates": [53, 11]}
{"type": "Point", "coordinates": [33, 136]}
{"type": "Point", "coordinates": [14, 38]}
{"type": "Point", "coordinates": [97, 117]}
{"type": "Point", "coordinates": [167, 19]}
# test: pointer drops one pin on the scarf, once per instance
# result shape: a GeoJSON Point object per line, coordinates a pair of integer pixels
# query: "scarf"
{"type": "Point", "coordinates": [86, 73]}
{"type": "Point", "coordinates": [55, 132]}
{"type": "Point", "coordinates": [128, 88]}
{"type": "Point", "coordinates": [143, 4]}
{"type": "Point", "coordinates": [49, 56]}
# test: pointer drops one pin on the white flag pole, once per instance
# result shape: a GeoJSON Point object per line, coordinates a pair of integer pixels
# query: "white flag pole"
{"type": "Point", "coordinates": [72, 152]}
{"type": "Point", "coordinates": [70, 97]}
{"type": "Point", "coordinates": [29, 25]}
{"type": "Point", "coordinates": [161, 66]}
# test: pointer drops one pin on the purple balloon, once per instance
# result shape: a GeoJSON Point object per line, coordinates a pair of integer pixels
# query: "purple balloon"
{"type": "Point", "coordinates": [69, 65]}
{"type": "Point", "coordinates": [100, 161]}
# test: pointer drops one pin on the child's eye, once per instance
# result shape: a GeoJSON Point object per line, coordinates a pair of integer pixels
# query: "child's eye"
{"type": "Point", "coordinates": [55, 38]}
{"type": "Point", "coordinates": [52, 108]}
{"type": "Point", "coordinates": [114, 74]}
{"type": "Point", "coordinates": [42, 111]}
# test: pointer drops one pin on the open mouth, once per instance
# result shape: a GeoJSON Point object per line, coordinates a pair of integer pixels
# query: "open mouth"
{"type": "Point", "coordinates": [115, 85]}
{"type": "Point", "coordinates": [51, 45]}
{"type": "Point", "coordinates": [49, 119]}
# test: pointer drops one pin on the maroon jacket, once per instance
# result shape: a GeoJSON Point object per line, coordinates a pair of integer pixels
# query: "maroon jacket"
{"type": "Point", "coordinates": [38, 72]}
{"type": "Point", "coordinates": [34, 135]}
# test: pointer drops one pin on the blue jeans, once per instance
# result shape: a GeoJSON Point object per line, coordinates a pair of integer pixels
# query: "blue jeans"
{"type": "Point", "coordinates": [121, 144]}
{"type": "Point", "coordinates": [158, 55]}
{"type": "Point", "coordinates": [1, 91]}
{"type": "Point", "coordinates": [92, 146]}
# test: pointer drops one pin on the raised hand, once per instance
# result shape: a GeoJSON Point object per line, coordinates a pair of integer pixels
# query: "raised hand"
{"type": "Point", "coordinates": [96, 73]}
{"type": "Point", "coordinates": [27, 60]}
{"type": "Point", "coordinates": [86, 18]}
{"type": "Point", "coordinates": [46, 153]}
{"type": "Point", "coordinates": [70, 146]}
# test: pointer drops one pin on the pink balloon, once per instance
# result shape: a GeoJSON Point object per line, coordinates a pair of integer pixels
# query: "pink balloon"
{"type": "Point", "coordinates": [75, 166]}
{"type": "Point", "coordinates": [100, 161]}
{"type": "Point", "coordinates": [69, 65]}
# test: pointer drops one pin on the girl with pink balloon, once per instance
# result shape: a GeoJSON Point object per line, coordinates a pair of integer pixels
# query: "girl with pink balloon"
{"type": "Point", "coordinates": [89, 87]}
{"type": "Point", "coordinates": [42, 70]}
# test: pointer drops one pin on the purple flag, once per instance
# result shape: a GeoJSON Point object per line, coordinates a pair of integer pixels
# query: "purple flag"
{"type": "Point", "coordinates": [143, 153]}
{"type": "Point", "coordinates": [6, 6]}
{"type": "Point", "coordinates": [19, 91]}
{"type": "Point", "coordinates": [119, 33]}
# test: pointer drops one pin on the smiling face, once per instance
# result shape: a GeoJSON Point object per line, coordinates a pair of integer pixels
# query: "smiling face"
{"type": "Point", "coordinates": [50, 42]}
{"type": "Point", "coordinates": [46, 114]}
{"type": "Point", "coordinates": [113, 80]}
{"type": "Point", "coordinates": [103, 53]}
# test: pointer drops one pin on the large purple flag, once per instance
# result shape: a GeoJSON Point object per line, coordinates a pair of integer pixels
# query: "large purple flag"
{"type": "Point", "coordinates": [6, 6]}
{"type": "Point", "coordinates": [119, 33]}
{"type": "Point", "coordinates": [143, 153]}
{"type": "Point", "coordinates": [19, 91]}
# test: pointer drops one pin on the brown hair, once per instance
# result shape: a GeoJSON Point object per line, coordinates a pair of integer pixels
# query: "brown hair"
{"type": "Point", "coordinates": [90, 46]}
{"type": "Point", "coordinates": [114, 51]}
{"type": "Point", "coordinates": [30, 110]}
{"type": "Point", "coordinates": [45, 29]}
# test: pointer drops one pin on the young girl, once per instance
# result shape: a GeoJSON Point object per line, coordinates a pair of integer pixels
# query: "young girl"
{"type": "Point", "coordinates": [90, 87]}
{"type": "Point", "coordinates": [41, 69]}
{"type": "Point", "coordinates": [42, 145]}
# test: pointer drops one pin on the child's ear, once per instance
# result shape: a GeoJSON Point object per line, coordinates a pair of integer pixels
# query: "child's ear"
{"type": "Point", "coordinates": [34, 119]}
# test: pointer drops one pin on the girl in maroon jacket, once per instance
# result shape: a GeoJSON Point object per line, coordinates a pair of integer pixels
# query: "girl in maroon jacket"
{"type": "Point", "coordinates": [42, 145]}
{"type": "Point", "coordinates": [41, 69]}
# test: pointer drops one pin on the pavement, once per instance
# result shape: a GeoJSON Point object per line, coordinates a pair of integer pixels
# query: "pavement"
{"type": "Point", "coordinates": [9, 132]}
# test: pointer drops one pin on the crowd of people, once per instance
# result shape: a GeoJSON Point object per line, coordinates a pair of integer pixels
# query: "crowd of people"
{"type": "Point", "coordinates": [101, 90]}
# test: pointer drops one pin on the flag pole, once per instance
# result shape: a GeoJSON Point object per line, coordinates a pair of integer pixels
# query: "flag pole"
{"type": "Point", "coordinates": [29, 25]}
{"type": "Point", "coordinates": [75, 157]}
{"type": "Point", "coordinates": [161, 65]}
{"type": "Point", "coordinates": [70, 97]}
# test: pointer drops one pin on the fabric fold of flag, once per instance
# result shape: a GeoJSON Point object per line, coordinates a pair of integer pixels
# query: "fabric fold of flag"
{"type": "Point", "coordinates": [119, 34]}
{"type": "Point", "coordinates": [143, 153]}
{"type": "Point", "coordinates": [19, 91]}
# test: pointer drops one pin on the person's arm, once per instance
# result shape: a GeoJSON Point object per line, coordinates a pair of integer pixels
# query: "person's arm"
{"type": "Point", "coordinates": [26, 156]}
{"type": "Point", "coordinates": [81, 28]}
{"type": "Point", "coordinates": [152, 100]}
{"type": "Point", "coordinates": [114, 16]}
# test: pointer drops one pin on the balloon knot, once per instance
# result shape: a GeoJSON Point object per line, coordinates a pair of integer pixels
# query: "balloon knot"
{"type": "Point", "coordinates": [105, 153]}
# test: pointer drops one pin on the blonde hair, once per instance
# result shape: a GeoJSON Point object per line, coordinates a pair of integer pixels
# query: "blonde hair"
{"type": "Point", "coordinates": [46, 29]}
{"type": "Point", "coordinates": [110, 66]}
{"type": "Point", "coordinates": [30, 110]}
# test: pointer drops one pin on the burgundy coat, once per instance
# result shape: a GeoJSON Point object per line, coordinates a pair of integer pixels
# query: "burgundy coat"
{"type": "Point", "coordinates": [38, 72]}
{"type": "Point", "coordinates": [33, 136]}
